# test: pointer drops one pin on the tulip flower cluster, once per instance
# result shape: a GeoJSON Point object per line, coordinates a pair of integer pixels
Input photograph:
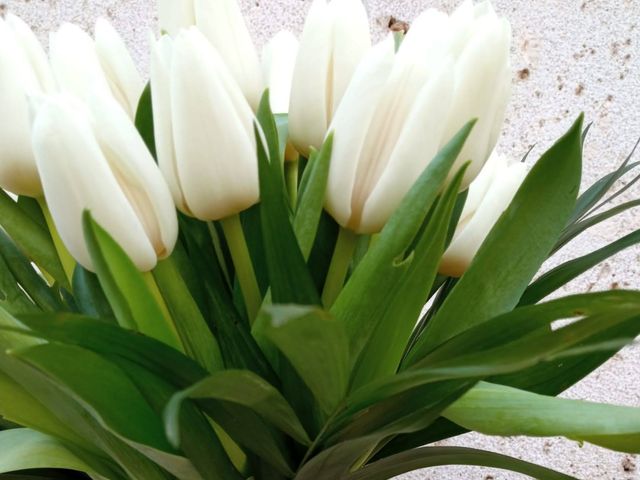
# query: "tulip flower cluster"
{"type": "Point", "coordinates": [389, 109]}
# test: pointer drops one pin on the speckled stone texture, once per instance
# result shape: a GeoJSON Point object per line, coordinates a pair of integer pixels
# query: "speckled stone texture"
{"type": "Point", "coordinates": [568, 56]}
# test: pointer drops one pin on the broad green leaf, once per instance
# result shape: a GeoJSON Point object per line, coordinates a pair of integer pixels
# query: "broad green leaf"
{"type": "Point", "coordinates": [499, 410]}
{"type": "Point", "coordinates": [361, 303]}
{"type": "Point", "coordinates": [197, 338]}
{"type": "Point", "coordinates": [83, 375]}
{"type": "Point", "coordinates": [282, 127]}
{"type": "Point", "coordinates": [577, 228]}
{"type": "Point", "coordinates": [24, 273]}
{"type": "Point", "coordinates": [563, 274]}
{"type": "Point", "coordinates": [315, 345]}
{"type": "Point", "coordinates": [289, 277]}
{"type": "Point", "coordinates": [12, 298]}
{"type": "Point", "coordinates": [427, 457]}
{"type": "Point", "coordinates": [244, 388]}
{"type": "Point", "coordinates": [516, 247]}
{"type": "Point", "coordinates": [144, 120]}
{"type": "Point", "coordinates": [24, 449]}
{"type": "Point", "coordinates": [381, 356]}
{"type": "Point", "coordinates": [31, 237]}
{"type": "Point", "coordinates": [311, 201]}
{"type": "Point", "coordinates": [125, 287]}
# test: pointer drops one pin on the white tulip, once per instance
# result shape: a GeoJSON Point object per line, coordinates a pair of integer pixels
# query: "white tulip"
{"type": "Point", "coordinates": [84, 67]}
{"type": "Point", "coordinates": [90, 157]}
{"type": "Point", "coordinates": [204, 128]}
{"type": "Point", "coordinates": [24, 72]}
{"type": "Point", "coordinates": [334, 41]}
{"type": "Point", "coordinates": [489, 196]}
{"type": "Point", "coordinates": [278, 62]}
{"type": "Point", "coordinates": [399, 110]}
{"type": "Point", "coordinates": [175, 14]}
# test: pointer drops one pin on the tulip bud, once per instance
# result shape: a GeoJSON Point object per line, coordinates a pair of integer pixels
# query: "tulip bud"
{"type": "Point", "coordinates": [175, 14]}
{"type": "Point", "coordinates": [489, 196]}
{"type": "Point", "coordinates": [204, 128]}
{"type": "Point", "coordinates": [24, 72]}
{"type": "Point", "coordinates": [400, 109]}
{"type": "Point", "coordinates": [83, 67]}
{"type": "Point", "coordinates": [278, 62]}
{"type": "Point", "coordinates": [334, 41]}
{"type": "Point", "coordinates": [91, 157]}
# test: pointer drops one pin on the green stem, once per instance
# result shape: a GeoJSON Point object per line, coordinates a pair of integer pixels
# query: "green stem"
{"type": "Point", "coordinates": [242, 262]}
{"type": "Point", "coordinates": [291, 177]}
{"type": "Point", "coordinates": [173, 337]}
{"type": "Point", "coordinates": [217, 247]}
{"type": "Point", "coordinates": [345, 246]}
{"type": "Point", "coordinates": [67, 261]}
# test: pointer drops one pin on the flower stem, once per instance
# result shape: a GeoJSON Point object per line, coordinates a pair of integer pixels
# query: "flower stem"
{"type": "Point", "coordinates": [67, 261]}
{"type": "Point", "coordinates": [345, 246]}
{"type": "Point", "coordinates": [291, 177]}
{"type": "Point", "coordinates": [242, 262]}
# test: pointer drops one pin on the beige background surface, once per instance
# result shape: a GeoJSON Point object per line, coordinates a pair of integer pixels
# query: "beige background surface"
{"type": "Point", "coordinates": [568, 56]}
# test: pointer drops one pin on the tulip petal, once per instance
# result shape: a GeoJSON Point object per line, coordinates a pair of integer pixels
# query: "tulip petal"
{"type": "Point", "coordinates": [76, 177]}
{"type": "Point", "coordinates": [278, 62]}
{"type": "Point", "coordinates": [213, 132]}
{"type": "Point", "coordinates": [351, 124]}
{"type": "Point", "coordinates": [414, 149]}
{"type": "Point", "coordinates": [308, 112]}
{"type": "Point", "coordinates": [222, 23]}
{"type": "Point", "coordinates": [120, 69]}
{"type": "Point", "coordinates": [174, 15]}
{"type": "Point", "coordinates": [466, 244]}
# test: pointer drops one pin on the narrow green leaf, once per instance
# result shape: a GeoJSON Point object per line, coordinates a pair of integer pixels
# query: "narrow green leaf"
{"type": "Point", "coordinates": [89, 295]}
{"type": "Point", "coordinates": [243, 388]}
{"type": "Point", "coordinates": [361, 302]}
{"type": "Point", "coordinates": [563, 274]}
{"type": "Point", "coordinates": [31, 237]}
{"type": "Point", "coordinates": [289, 277]}
{"type": "Point", "coordinates": [499, 410]}
{"type": "Point", "coordinates": [311, 200]}
{"type": "Point", "coordinates": [428, 457]}
{"type": "Point", "coordinates": [128, 293]}
{"type": "Point", "coordinates": [24, 449]}
{"type": "Point", "coordinates": [144, 120]}
{"type": "Point", "coordinates": [315, 345]}
{"type": "Point", "coordinates": [197, 338]}
{"type": "Point", "coordinates": [516, 247]}
{"type": "Point", "coordinates": [12, 298]}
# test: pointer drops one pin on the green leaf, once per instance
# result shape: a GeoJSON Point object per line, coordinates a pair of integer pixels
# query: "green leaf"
{"type": "Point", "coordinates": [89, 295]}
{"type": "Point", "coordinates": [31, 237]}
{"type": "Point", "coordinates": [563, 274]}
{"type": "Point", "coordinates": [144, 120]}
{"type": "Point", "coordinates": [32, 283]}
{"type": "Point", "coordinates": [516, 247]}
{"type": "Point", "coordinates": [499, 410]}
{"type": "Point", "coordinates": [311, 200]}
{"type": "Point", "coordinates": [361, 304]}
{"type": "Point", "coordinates": [315, 345]}
{"type": "Point", "coordinates": [196, 336]}
{"type": "Point", "coordinates": [12, 298]}
{"type": "Point", "coordinates": [382, 354]}
{"type": "Point", "coordinates": [128, 293]}
{"type": "Point", "coordinates": [289, 277]}
{"type": "Point", "coordinates": [24, 449]}
{"type": "Point", "coordinates": [243, 388]}
{"type": "Point", "coordinates": [427, 457]}
{"type": "Point", "coordinates": [83, 375]}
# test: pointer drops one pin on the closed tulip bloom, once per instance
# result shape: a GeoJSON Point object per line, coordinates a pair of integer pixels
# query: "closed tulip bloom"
{"type": "Point", "coordinates": [175, 14]}
{"type": "Point", "coordinates": [489, 196]}
{"type": "Point", "coordinates": [334, 41]}
{"type": "Point", "coordinates": [84, 67]}
{"type": "Point", "coordinates": [92, 158]}
{"type": "Point", "coordinates": [400, 109]}
{"type": "Point", "coordinates": [24, 72]}
{"type": "Point", "coordinates": [278, 62]}
{"type": "Point", "coordinates": [204, 128]}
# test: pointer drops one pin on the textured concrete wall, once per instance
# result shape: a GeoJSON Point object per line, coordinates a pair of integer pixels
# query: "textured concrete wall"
{"type": "Point", "coordinates": [568, 56]}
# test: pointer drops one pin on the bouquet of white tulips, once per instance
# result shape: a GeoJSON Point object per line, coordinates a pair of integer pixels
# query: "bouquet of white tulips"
{"type": "Point", "coordinates": [310, 267]}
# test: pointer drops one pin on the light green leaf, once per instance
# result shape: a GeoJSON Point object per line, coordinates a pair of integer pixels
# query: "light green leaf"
{"type": "Point", "coordinates": [516, 247]}
{"type": "Point", "coordinates": [128, 293]}
{"type": "Point", "coordinates": [499, 410]}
